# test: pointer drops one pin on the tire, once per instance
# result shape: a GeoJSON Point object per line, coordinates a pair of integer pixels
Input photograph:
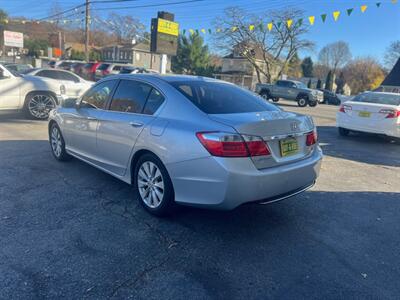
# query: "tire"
{"type": "Point", "coordinates": [312, 103]}
{"type": "Point", "coordinates": [275, 99]}
{"type": "Point", "coordinates": [265, 95]}
{"type": "Point", "coordinates": [150, 173]}
{"type": "Point", "coordinates": [57, 143]}
{"type": "Point", "coordinates": [343, 131]}
{"type": "Point", "coordinates": [38, 105]}
{"type": "Point", "coordinates": [302, 102]}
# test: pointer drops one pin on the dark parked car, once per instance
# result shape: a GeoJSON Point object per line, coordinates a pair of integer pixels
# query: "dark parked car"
{"type": "Point", "coordinates": [77, 67]}
{"type": "Point", "coordinates": [330, 97]}
{"type": "Point", "coordinates": [89, 70]}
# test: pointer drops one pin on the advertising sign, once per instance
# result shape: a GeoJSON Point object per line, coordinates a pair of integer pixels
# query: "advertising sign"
{"type": "Point", "coordinates": [168, 27]}
{"type": "Point", "coordinates": [13, 39]}
{"type": "Point", "coordinates": [164, 34]}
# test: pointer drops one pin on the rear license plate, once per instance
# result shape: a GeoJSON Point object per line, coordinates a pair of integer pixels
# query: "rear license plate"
{"type": "Point", "coordinates": [288, 147]}
{"type": "Point", "coordinates": [364, 114]}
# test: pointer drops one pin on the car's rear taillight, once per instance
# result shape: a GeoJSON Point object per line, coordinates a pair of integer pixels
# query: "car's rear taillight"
{"type": "Point", "coordinates": [106, 72]}
{"type": "Point", "coordinates": [311, 138]}
{"type": "Point", "coordinates": [390, 113]}
{"type": "Point", "coordinates": [232, 145]}
{"type": "Point", "coordinates": [343, 108]}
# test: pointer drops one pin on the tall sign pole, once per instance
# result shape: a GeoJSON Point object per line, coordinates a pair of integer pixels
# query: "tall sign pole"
{"type": "Point", "coordinates": [87, 24]}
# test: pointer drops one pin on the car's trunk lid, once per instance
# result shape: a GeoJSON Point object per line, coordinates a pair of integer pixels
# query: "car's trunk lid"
{"type": "Point", "coordinates": [279, 129]}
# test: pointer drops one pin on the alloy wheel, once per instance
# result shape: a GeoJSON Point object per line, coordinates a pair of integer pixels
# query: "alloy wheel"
{"type": "Point", "coordinates": [56, 142]}
{"type": "Point", "coordinates": [150, 184]}
{"type": "Point", "coordinates": [40, 106]}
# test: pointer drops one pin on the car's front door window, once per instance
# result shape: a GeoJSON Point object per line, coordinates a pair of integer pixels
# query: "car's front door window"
{"type": "Point", "coordinates": [97, 96]}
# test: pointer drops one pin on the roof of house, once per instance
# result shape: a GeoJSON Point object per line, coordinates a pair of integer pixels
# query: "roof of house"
{"type": "Point", "coordinates": [393, 79]}
{"type": "Point", "coordinates": [138, 46]}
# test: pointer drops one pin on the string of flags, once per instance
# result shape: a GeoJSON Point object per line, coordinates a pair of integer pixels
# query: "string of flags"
{"type": "Point", "coordinates": [270, 25]}
{"type": "Point", "coordinates": [289, 23]}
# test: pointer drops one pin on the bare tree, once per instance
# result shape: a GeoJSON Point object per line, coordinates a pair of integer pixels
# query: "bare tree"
{"type": "Point", "coordinates": [125, 28]}
{"type": "Point", "coordinates": [364, 73]}
{"type": "Point", "coordinates": [268, 51]}
{"type": "Point", "coordinates": [335, 55]}
{"type": "Point", "coordinates": [392, 54]}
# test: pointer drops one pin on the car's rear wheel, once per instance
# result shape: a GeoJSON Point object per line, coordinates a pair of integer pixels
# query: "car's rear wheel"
{"type": "Point", "coordinates": [153, 186]}
{"type": "Point", "coordinates": [38, 105]}
{"type": "Point", "coordinates": [312, 103]}
{"type": "Point", "coordinates": [265, 95]}
{"type": "Point", "coordinates": [343, 131]}
{"type": "Point", "coordinates": [275, 99]}
{"type": "Point", "coordinates": [57, 143]}
{"type": "Point", "coordinates": [302, 101]}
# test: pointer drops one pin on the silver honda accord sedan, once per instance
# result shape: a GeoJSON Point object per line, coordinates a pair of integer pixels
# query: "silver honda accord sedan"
{"type": "Point", "coordinates": [188, 140]}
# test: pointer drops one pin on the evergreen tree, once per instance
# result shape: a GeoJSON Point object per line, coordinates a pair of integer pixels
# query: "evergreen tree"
{"type": "Point", "coordinates": [3, 16]}
{"type": "Point", "coordinates": [294, 68]}
{"type": "Point", "coordinates": [309, 84]}
{"type": "Point", "coordinates": [319, 84]}
{"type": "Point", "coordinates": [340, 82]}
{"type": "Point", "coordinates": [329, 81]}
{"type": "Point", "coordinates": [192, 56]}
{"type": "Point", "coordinates": [307, 66]}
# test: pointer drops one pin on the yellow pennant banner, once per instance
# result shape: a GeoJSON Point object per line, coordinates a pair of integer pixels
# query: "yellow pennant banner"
{"type": "Point", "coordinates": [363, 8]}
{"type": "Point", "coordinates": [336, 15]}
{"type": "Point", "coordinates": [311, 19]}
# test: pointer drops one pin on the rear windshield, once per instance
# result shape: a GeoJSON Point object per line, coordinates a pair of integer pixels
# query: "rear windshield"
{"type": "Point", "coordinates": [221, 98]}
{"type": "Point", "coordinates": [88, 65]}
{"type": "Point", "coordinates": [103, 67]}
{"type": "Point", "coordinates": [389, 99]}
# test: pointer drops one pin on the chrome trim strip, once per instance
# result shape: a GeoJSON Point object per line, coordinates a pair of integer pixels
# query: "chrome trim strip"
{"type": "Point", "coordinates": [288, 196]}
{"type": "Point", "coordinates": [283, 136]}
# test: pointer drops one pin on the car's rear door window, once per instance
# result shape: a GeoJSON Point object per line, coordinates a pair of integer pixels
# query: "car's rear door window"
{"type": "Point", "coordinates": [67, 77]}
{"type": "Point", "coordinates": [222, 98]}
{"type": "Point", "coordinates": [130, 96]}
{"type": "Point", "coordinates": [153, 102]}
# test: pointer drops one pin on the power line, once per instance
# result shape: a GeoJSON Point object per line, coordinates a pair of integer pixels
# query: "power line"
{"type": "Point", "coordinates": [62, 13]}
{"type": "Point", "coordinates": [147, 5]}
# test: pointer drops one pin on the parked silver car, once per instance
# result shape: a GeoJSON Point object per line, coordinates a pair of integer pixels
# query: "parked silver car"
{"type": "Point", "coordinates": [188, 140]}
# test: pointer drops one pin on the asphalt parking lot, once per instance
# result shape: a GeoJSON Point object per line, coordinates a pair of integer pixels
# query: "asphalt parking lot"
{"type": "Point", "coordinates": [71, 231]}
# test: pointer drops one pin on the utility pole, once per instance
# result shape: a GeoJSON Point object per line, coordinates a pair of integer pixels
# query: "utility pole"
{"type": "Point", "coordinates": [87, 23]}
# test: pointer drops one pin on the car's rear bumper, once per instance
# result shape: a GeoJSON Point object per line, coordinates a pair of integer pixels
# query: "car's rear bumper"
{"type": "Point", "coordinates": [386, 127]}
{"type": "Point", "coordinates": [225, 183]}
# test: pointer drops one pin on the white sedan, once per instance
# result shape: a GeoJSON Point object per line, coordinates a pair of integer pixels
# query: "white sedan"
{"type": "Point", "coordinates": [75, 86]}
{"type": "Point", "coordinates": [34, 95]}
{"type": "Point", "coordinates": [370, 112]}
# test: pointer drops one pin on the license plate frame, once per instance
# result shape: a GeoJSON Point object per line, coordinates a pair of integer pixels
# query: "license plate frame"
{"type": "Point", "coordinates": [288, 147]}
{"type": "Point", "coordinates": [364, 114]}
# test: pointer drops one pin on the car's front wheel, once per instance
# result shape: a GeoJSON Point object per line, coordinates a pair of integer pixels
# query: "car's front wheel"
{"type": "Point", "coordinates": [302, 102]}
{"type": "Point", "coordinates": [57, 143]}
{"type": "Point", "coordinates": [153, 186]}
{"type": "Point", "coordinates": [38, 105]}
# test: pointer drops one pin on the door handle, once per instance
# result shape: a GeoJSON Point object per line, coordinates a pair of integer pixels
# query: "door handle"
{"type": "Point", "coordinates": [91, 118]}
{"type": "Point", "coordinates": [136, 124]}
